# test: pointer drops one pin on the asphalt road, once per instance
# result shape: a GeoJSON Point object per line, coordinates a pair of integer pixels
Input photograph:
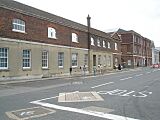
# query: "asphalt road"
{"type": "Point", "coordinates": [127, 95]}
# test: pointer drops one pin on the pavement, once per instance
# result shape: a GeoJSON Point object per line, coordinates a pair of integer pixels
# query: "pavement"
{"type": "Point", "coordinates": [10, 81]}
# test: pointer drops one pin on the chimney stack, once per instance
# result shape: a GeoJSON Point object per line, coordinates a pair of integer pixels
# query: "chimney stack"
{"type": "Point", "coordinates": [89, 21]}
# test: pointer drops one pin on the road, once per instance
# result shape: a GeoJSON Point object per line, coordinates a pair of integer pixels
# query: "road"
{"type": "Point", "coordinates": [127, 95]}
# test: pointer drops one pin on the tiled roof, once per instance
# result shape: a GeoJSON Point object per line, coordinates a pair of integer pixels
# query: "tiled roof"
{"type": "Point", "coordinates": [22, 8]}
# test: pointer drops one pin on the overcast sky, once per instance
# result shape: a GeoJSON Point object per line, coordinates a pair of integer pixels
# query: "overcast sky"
{"type": "Point", "coordinates": [142, 16]}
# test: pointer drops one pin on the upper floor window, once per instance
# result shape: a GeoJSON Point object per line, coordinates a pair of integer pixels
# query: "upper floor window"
{"type": "Point", "coordinates": [109, 45]}
{"type": "Point", "coordinates": [74, 37]}
{"type": "Point", "coordinates": [92, 41]}
{"type": "Point", "coordinates": [51, 32]}
{"type": "Point", "coordinates": [104, 44]}
{"type": "Point", "coordinates": [3, 58]}
{"type": "Point", "coordinates": [115, 46]}
{"type": "Point", "coordinates": [98, 43]}
{"type": "Point", "coordinates": [18, 25]}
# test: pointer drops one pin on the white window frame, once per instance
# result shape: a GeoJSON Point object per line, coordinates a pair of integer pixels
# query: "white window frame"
{"type": "Point", "coordinates": [18, 25]}
{"type": "Point", "coordinates": [51, 32]}
{"type": "Point", "coordinates": [26, 58]}
{"type": "Point", "coordinates": [4, 56]}
{"type": "Point", "coordinates": [92, 41]}
{"type": "Point", "coordinates": [98, 43]}
{"type": "Point", "coordinates": [86, 59]}
{"type": "Point", "coordinates": [60, 59]}
{"type": "Point", "coordinates": [74, 59]}
{"type": "Point", "coordinates": [104, 44]}
{"type": "Point", "coordinates": [115, 46]}
{"type": "Point", "coordinates": [44, 59]}
{"type": "Point", "coordinates": [74, 37]}
{"type": "Point", "coordinates": [109, 45]}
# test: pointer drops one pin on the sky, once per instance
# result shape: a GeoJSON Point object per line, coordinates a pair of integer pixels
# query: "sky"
{"type": "Point", "coordinates": [142, 16]}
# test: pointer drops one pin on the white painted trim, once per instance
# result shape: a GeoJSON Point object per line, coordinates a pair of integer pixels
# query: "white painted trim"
{"type": "Point", "coordinates": [117, 53]}
{"type": "Point", "coordinates": [38, 43]}
{"type": "Point", "coordinates": [81, 111]}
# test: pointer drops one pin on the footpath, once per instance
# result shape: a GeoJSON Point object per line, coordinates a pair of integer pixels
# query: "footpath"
{"type": "Point", "coordinates": [10, 81]}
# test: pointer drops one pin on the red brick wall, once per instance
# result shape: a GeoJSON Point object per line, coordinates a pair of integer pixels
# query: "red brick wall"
{"type": "Point", "coordinates": [37, 30]}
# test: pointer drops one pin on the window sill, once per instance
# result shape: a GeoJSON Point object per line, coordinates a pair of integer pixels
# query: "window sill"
{"type": "Point", "coordinates": [61, 67]}
{"type": "Point", "coordinates": [45, 68]}
{"type": "Point", "coordinates": [19, 31]}
{"type": "Point", "coordinates": [27, 69]}
{"type": "Point", "coordinates": [53, 38]}
{"type": "Point", "coordinates": [74, 66]}
{"type": "Point", "coordinates": [4, 69]}
{"type": "Point", "coordinates": [75, 41]}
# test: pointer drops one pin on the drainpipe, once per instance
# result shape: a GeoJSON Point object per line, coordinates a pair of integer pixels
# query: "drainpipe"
{"type": "Point", "coordinates": [133, 50]}
{"type": "Point", "coordinates": [89, 42]}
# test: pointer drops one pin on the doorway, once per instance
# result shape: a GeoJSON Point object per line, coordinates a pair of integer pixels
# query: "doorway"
{"type": "Point", "coordinates": [94, 60]}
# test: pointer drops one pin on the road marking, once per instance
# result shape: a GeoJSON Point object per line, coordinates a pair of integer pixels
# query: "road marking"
{"type": "Point", "coordinates": [54, 97]}
{"type": "Point", "coordinates": [148, 72]}
{"type": "Point", "coordinates": [125, 93]}
{"type": "Point", "coordinates": [126, 78]}
{"type": "Point", "coordinates": [81, 111]}
{"type": "Point", "coordinates": [102, 85]}
{"type": "Point", "coordinates": [139, 75]}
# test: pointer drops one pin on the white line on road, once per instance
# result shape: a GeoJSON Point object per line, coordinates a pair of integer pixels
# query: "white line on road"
{"type": "Point", "coordinates": [54, 97]}
{"type": "Point", "coordinates": [139, 75]}
{"type": "Point", "coordinates": [102, 84]}
{"type": "Point", "coordinates": [126, 78]}
{"type": "Point", "coordinates": [148, 72]}
{"type": "Point", "coordinates": [81, 111]}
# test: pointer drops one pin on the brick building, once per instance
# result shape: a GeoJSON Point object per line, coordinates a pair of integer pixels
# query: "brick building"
{"type": "Point", "coordinates": [34, 43]}
{"type": "Point", "coordinates": [136, 49]}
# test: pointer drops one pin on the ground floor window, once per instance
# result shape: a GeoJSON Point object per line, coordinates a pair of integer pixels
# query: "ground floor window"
{"type": "Point", "coordinates": [99, 59]}
{"type": "Point", "coordinates": [44, 59]}
{"type": "Point", "coordinates": [3, 58]}
{"type": "Point", "coordinates": [109, 61]}
{"type": "Point", "coordinates": [74, 59]}
{"type": "Point", "coordinates": [129, 62]}
{"type": "Point", "coordinates": [116, 61]}
{"type": "Point", "coordinates": [26, 59]}
{"type": "Point", "coordinates": [60, 59]}
{"type": "Point", "coordinates": [86, 59]}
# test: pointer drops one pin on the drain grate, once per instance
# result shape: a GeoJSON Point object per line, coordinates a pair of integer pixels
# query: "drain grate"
{"type": "Point", "coordinates": [79, 97]}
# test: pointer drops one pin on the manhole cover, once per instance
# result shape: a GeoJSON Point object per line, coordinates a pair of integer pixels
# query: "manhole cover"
{"type": "Point", "coordinates": [79, 97]}
{"type": "Point", "coordinates": [24, 114]}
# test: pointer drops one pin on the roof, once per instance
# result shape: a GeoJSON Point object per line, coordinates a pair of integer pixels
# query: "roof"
{"type": "Point", "coordinates": [25, 9]}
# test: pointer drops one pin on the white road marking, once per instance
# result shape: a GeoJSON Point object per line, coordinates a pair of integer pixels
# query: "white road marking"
{"type": "Point", "coordinates": [126, 78]}
{"type": "Point", "coordinates": [148, 72]}
{"type": "Point", "coordinates": [55, 97]}
{"type": "Point", "coordinates": [102, 84]}
{"type": "Point", "coordinates": [81, 111]}
{"type": "Point", "coordinates": [139, 75]}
